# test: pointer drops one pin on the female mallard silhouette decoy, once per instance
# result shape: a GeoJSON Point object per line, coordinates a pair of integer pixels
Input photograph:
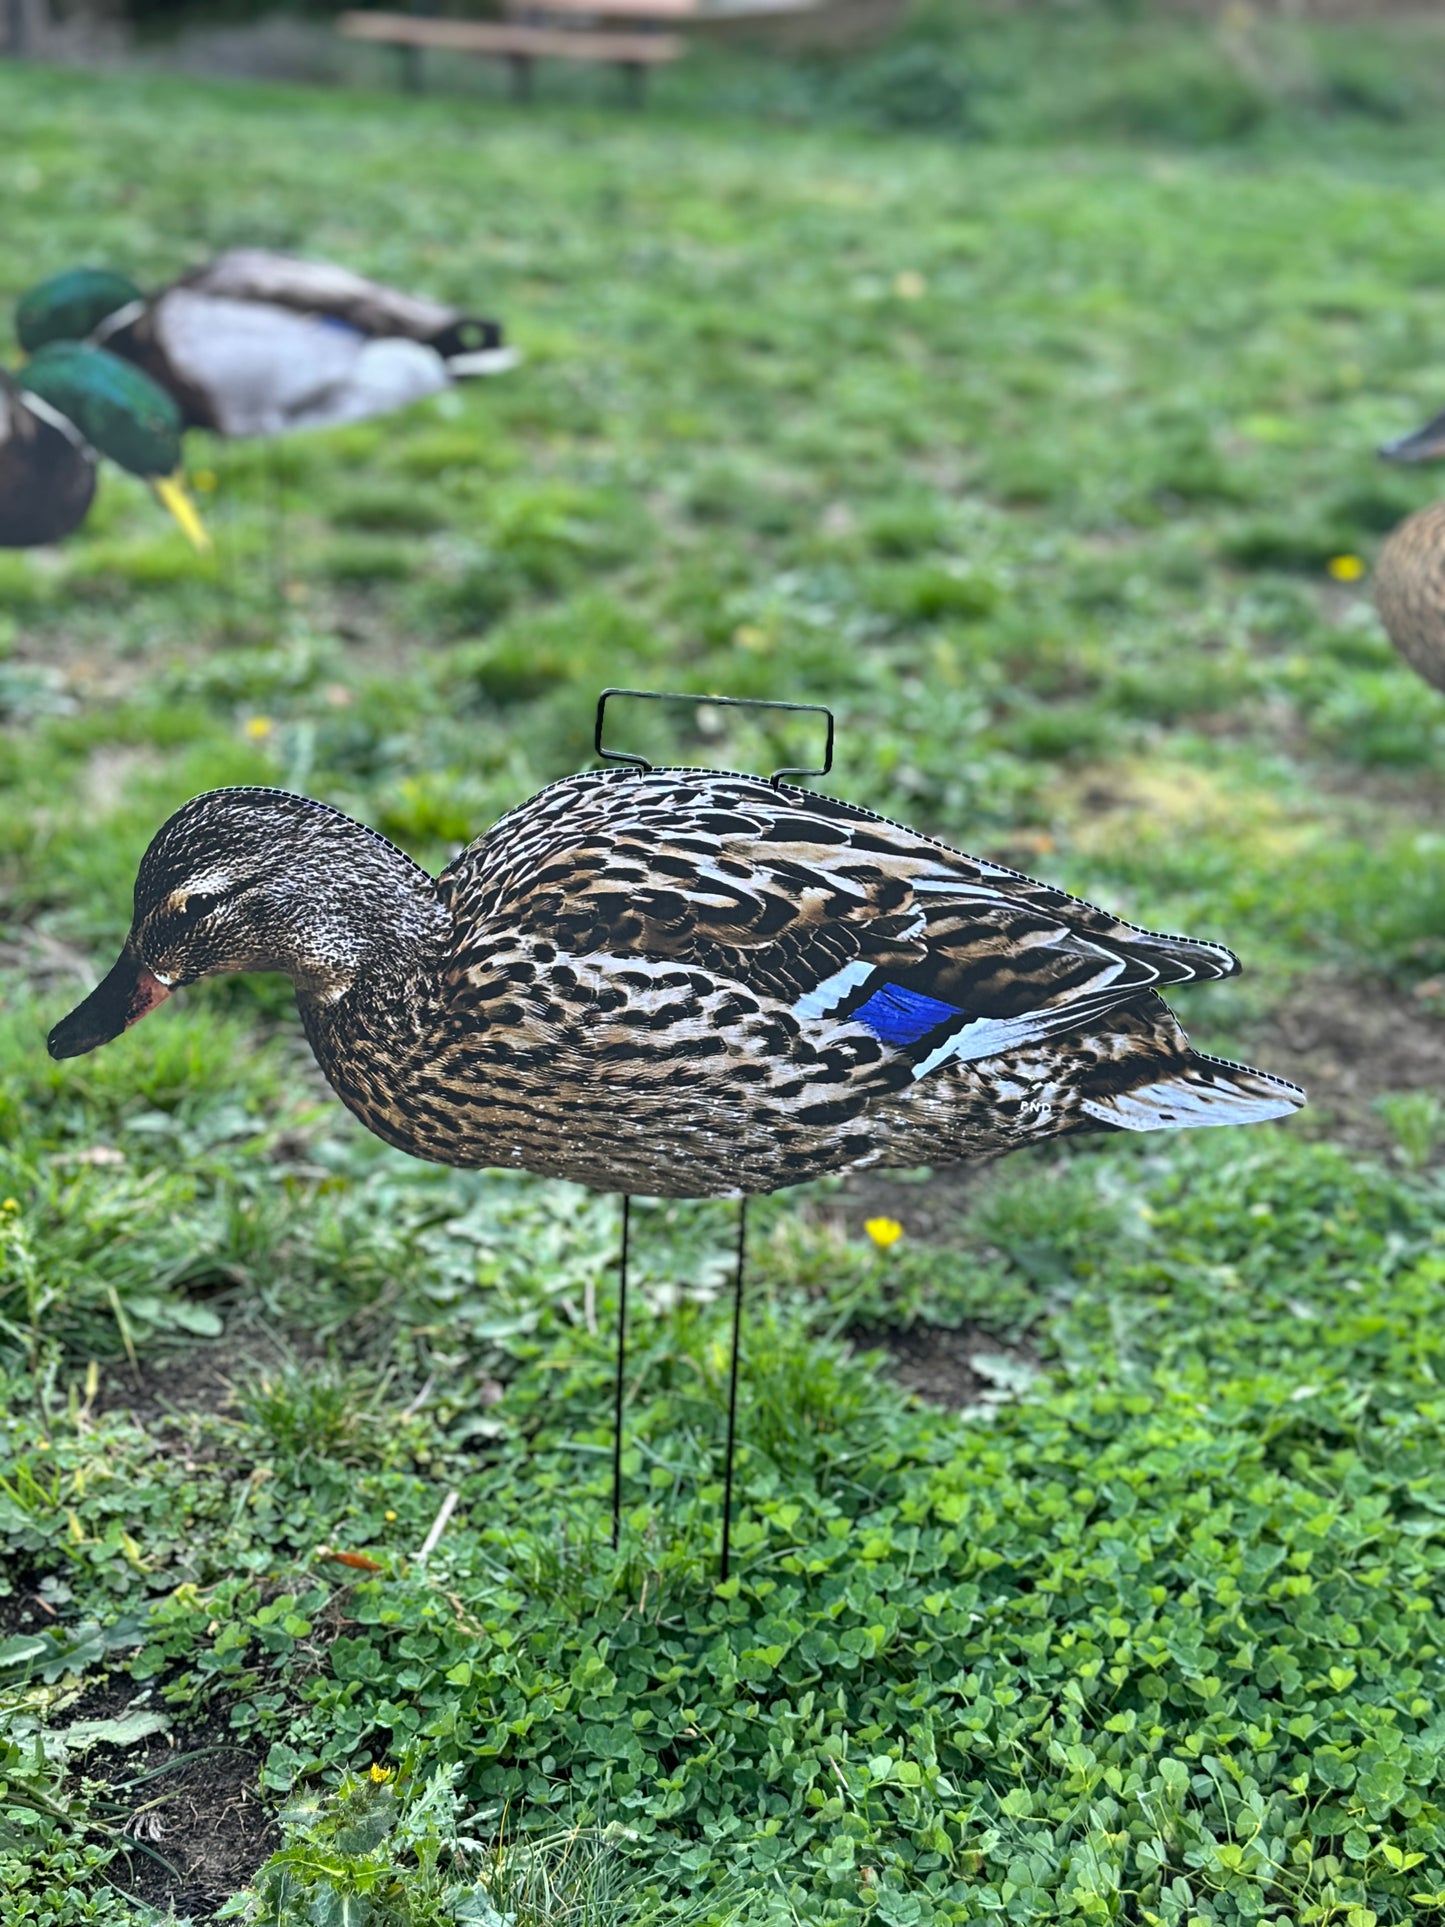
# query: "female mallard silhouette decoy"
{"type": "Point", "coordinates": [679, 983]}
{"type": "Point", "coordinates": [1410, 574]}
{"type": "Point", "coordinates": [256, 343]}
{"type": "Point", "coordinates": [72, 403]}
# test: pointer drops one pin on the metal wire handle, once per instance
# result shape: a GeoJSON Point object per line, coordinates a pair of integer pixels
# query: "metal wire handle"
{"type": "Point", "coordinates": [719, 702]}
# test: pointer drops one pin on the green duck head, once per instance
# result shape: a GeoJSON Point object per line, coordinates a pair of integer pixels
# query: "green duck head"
{"type": "Point", "coordinates": [1427, 444]}
{"type": "Point", "coordinates": [123, 414]}
{"type": "Point", "coordinates": [70, 306]}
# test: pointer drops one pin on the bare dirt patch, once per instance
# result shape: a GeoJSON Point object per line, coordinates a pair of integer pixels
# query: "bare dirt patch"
{"type": "Point", "coordinates": [23, 1609]}
{"type": "Point", "coordinates": [208, 1820]}
{"type": "Point", "coordinates": [967, 1370]}
{"type": "Point", "coordinates": [157, 1391]}
{"type": "Point", "coordinates": [161, 1392]}
{"type": "Point", "coordinates": [1349, 1043]}
{"type": "Point", "coordinates": [190, 1803]}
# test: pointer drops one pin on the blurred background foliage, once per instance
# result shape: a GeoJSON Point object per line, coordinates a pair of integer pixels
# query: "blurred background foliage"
{"type": "Point", "coordinates": [1030, 71]}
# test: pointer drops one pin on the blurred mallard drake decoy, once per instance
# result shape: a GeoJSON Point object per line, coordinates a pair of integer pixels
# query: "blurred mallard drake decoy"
{"type": "Point", "coordinates": [72, 403]}
{"type": "Point", "coordinates": [47, 471]}
{"type": "Point", "coordinates": [256, 343]}
{"type": "Point", "coordinates": [679, 983]}
{"type": "Point", "coordinates": [1410, 574]}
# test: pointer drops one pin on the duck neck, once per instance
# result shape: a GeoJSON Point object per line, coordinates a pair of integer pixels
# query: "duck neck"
{"type": "Point", "coordinates": [369, 988]}
{"type": "Point", "coordinates": [375, 923]}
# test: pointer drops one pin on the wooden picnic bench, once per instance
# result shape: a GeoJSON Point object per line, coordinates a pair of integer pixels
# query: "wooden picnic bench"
{"type": "Point", "coordinates": [538, 30]}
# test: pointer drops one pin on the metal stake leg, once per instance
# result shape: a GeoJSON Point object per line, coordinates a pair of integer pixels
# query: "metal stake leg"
{"type": "Point", "coordinates": [621, 1360]}
{"type": "Point", "coordinates": [727, 1518]}
{"type": "Point", "coordinates": [226, 564]}
{"type": "Point", "coordinates": [276, 483]}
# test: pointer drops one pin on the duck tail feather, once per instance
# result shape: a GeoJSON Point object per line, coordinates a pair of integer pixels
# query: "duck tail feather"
{"type": "Point", "coordinates": [1207, 1090]}
{"type": "Point", "coordinates": [1186, 960]}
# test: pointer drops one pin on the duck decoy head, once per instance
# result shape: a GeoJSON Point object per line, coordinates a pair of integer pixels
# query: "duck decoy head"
{"type": "Point", "coordinates": [472, 346]}
{"type": "Point", "coordinates": [1426, 444]}
{"type": "Point", "coordinates": [469, 335]}
{"type": "Point", "coordinates": [123, 414]}
{"type": "Point", "coordinates": [255, 879]}
{"type": "Point", "coordinates": [70, 306]}
{"type": "Point", "coordinates": [120, 411]}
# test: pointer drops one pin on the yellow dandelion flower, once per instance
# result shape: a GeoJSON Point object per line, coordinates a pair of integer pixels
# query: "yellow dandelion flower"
{"type": "Point", "coordinates": [10, 1204]}
{"type": "Point", "coordinates": [258, 728]}
{"type": "Point", "coordinates": [381, 1774]}
{"type": "Point", "coordinates": [749, 636]}
{"type": "Point", "coordinates": [390, 1518]}
{"type": "Point", "coordinates": [1345, 568]}
{"type": "Point", "coordinates": [883, 1231]}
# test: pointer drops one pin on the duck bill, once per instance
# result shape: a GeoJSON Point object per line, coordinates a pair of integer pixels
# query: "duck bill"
{"type": "Point", "coordinates": [1427, 444]}
{"type": "Point", "coordinates": [482, 361]}
{"type": "Point", "coordinates": [129, 993]}
{"type": "Point", "coordinates": [174, 494]}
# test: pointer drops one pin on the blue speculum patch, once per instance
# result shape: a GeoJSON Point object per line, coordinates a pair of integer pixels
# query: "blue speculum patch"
{"type": "Point", "coordinates": [901, 1017]}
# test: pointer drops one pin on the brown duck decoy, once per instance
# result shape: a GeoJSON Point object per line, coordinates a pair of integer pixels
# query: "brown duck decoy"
{"type": "Point", "coordinates": [1410, 574]}
{"type": "Point", "coordinates": [679, 983]}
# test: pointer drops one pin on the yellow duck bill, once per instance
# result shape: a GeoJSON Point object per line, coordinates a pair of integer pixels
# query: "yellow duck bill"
{"type": "Point", "coordinates": [172, 491]}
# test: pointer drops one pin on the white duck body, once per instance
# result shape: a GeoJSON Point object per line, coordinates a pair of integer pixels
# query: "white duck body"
{"type": "Point", "coordinates": [256, 343]}
{"type": "Point", "coordinates": [267, 371]}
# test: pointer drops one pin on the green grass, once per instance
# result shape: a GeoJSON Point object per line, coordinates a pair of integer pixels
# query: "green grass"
{"type": "Point", "coordinates": [1030, 460]}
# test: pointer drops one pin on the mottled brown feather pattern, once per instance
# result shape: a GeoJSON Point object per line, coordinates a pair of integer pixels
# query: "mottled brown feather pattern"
{"type": "Point", "coordinates": [1410, 591]}
{"type": "Point", "coordinates": [651, 982]}
{"type": "Point", "coordinates": [632, 944]}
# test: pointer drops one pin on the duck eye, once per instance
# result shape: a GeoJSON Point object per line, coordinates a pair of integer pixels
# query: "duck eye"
{"type": "Point", "coordinates": [200, 903]}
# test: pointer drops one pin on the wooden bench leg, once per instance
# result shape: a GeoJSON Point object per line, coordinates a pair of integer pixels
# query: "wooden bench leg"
{"type": "Point", "coordinates": [521, 66]}
{"type": "Point", "coordinates": [634, 83]}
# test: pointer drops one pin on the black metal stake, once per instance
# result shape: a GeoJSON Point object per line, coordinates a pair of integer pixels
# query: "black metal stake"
{"type": "Point", "coordinates": [621, 1359]}
{"type": "Point", "coordinates": [727, 1518]}
{"type": "Point", "coordinates": [226, 590]}
{"type": "Point", "coordinates": [277, 490]}
{"type": "Point", "coordinates": [627, 759]}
